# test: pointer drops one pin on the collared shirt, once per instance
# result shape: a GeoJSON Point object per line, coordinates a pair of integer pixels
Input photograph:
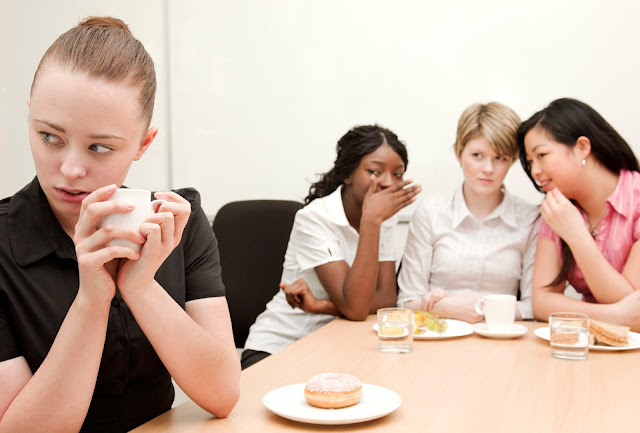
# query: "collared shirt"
{"type": "Point", "coordinates": [39, 282]}
{"type": "Point", "coordinates": [320, 234]}
{"type": "Point", "coordinates": [617, 232]}
{"type": "Point", "coordinates": [447, 247]}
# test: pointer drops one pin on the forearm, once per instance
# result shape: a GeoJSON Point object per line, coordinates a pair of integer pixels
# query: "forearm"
{"type": "Point", "coordinates": [205, 367]}
{"type": "Point", "coordinates": [57, 397]}
{"type": "Point", "coordinates": [546, 302]}
{"type": "Point", "coordinates": [359, 287]}
{"type": "Point", "coordinates": [605, 283]}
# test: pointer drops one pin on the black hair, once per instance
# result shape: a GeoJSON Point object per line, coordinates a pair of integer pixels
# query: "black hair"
{"type": "Point", "coordinates": [566, 120]}
{"type": "Point", "coordinates": [351, 148]}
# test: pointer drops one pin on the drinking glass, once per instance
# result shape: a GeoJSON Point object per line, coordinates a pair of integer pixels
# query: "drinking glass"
{"type": "Point", "coordinates": [395, 330]}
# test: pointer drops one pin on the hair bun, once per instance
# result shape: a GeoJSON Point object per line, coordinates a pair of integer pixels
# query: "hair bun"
{"type": "Point", "coordinates": [105, 22]}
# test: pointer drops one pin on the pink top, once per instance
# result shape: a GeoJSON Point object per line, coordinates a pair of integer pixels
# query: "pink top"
{"type": "Point", "coordinates": [617, 232]}
{"type": "Point", "coordinates": [332, 382]}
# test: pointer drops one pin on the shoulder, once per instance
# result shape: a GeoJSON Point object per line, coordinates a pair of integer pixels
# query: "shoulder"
{"type": "Point", "coordinates": [433, 205]}
{"type": "Point", "coordinates": [526, 213]}
{"type": "Point", "coordinates": [190, 194]}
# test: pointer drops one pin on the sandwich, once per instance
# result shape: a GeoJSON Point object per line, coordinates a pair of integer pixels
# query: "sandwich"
{"type": "Point", "coordinates": [608, 334]}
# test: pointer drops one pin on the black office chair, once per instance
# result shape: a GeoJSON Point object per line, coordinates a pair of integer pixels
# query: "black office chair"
{"type": "Point", "coordinates": [252, 239]}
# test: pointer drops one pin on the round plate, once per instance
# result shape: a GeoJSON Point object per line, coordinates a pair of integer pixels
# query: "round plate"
{"type": "Point", "coordinates": [455, 328]}
{"type": "Point", "coordinates": [516, 330]}
{"type": "Point", "coordinates": [289, 402]}
{"type": "Point", "coordinates": [634, 341]}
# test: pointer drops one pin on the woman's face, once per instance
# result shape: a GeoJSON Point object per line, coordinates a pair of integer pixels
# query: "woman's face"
{"type": "Point", "coordinates": [484, 170]}
{"type": "Point", "coordinates": [384, 163]}
{"type": "Point", "coordinates": [553, 164]}
{"type": "Point", "coordinates": [84, 134]}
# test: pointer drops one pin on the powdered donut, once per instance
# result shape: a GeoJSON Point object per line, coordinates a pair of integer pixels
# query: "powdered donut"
{"type": "Point", "coordinates": [333, 390]}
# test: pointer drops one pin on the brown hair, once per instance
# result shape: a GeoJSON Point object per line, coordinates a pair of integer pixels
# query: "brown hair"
{"type": "Point", "coordinates": [104, 47]}
{"type": "Point", "coordinates": [495, 122]}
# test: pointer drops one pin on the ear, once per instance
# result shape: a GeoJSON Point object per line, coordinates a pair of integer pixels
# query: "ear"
{"type": "Point", "coordinates": [28, 102]}
{"type": "Point", "coordinates": [146, 142]}
{"type": "Point", "coordinates": [583, 147]}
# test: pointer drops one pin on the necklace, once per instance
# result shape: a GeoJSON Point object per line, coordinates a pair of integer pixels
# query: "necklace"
{"type": "Point", "coordinates": [593, 228]}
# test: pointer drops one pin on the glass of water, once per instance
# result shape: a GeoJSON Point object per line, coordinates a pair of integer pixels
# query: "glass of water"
{"type": "Point", "coordinates": [569, 335]}
{"type": "Point", "coordinates": [395, 330]}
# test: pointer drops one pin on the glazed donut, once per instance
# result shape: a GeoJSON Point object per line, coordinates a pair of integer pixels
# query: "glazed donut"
{"type": "Point", "coordinates": [333, 390]}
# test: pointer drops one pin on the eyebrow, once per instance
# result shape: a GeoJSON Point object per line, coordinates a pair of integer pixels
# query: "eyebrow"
{"type": "Point", "coordinates": [92, 136]}
{"type": "Point", "coordinates": [383, 164]}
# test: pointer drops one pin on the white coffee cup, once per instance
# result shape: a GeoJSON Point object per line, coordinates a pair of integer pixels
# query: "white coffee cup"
{"type": "Point", "coordinates": [499, 311]}
{"type": "Point", "coordinates": [144, 208]}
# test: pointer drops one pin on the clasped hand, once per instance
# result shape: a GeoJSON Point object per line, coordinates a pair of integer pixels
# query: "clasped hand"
{"type": "Point", "coordinates": [99, 265]}
{"type": "Point", "coordinates": [562, 216]}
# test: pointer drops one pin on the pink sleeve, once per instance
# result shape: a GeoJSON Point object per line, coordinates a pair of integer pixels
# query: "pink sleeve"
{"type": "Point", "coordinates": [636, 228]}
{"type": "Point", "coordinates": [545, 232]}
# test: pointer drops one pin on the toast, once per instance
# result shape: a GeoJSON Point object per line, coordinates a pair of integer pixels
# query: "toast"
{"type": "Point", "coordinates": [608, 334]}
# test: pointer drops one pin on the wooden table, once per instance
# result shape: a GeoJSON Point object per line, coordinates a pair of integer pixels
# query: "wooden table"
{"type": "Point", "coordinates": [462, 384]}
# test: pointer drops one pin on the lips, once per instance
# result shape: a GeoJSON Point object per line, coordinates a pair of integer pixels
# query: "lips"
{"type": "Point", "coordinates": [71, 195]}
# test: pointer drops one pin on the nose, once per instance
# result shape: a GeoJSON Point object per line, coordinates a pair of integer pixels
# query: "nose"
{"type": "Point", "coordinates": [487, 165]}
{"type": "Point", "coordinates": [535, 169]}
{"type": "Point", "coordinates": [385, 180]}
{"type": "Point", "coordinates": [73, 166]}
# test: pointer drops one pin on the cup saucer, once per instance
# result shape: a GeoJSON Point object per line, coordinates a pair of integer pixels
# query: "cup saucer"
{"type": "Point", "coordinates": [516, 330]}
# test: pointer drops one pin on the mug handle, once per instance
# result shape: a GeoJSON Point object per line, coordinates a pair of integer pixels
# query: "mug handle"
{"type": "Point", "coordinates": [155, 205]}
{"type": "Point", "coordinates": [479, 307]}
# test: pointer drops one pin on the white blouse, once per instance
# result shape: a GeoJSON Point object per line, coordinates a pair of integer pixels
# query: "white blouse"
{"type": "Point", "coordinates": [449, 248]}
{"type": "Point", "coordinates": [321, 234]}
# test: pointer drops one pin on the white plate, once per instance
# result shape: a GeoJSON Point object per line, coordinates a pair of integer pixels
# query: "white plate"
{"type": "Point", "coordinates": [634, 340]}
{"type": "Point", "coordinates": [455, 328]}
{"type": "Point", "coordinates": [516, 330]}
{"type": "Point", "coordinates": [289, 402]}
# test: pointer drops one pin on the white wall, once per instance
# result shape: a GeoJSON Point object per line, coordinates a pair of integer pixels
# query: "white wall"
{"type": "Point", "coordinates": [261, 90]}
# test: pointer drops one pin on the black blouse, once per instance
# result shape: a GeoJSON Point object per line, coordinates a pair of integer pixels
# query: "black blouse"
{"type": "Point", "coordinates": [39, 281]}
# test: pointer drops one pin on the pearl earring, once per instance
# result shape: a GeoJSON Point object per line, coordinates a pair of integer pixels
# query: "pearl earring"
{"type": "Point", "coordinates": [584, 162]}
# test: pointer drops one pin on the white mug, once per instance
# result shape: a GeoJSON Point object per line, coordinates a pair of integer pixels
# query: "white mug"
{"type": "Point", "coordinates": [144, 208]}
{"type": "Point", "coordinates": [499, 311]}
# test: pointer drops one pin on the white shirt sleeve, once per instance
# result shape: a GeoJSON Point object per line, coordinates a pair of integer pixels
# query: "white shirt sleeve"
{"type": "Point", "coordinates": [524, 304]}
{"type": "Point", "coordinates": [387, 245]}
{"type": "Point", "coordinates": [318, 240]}
{"type": "Point", "coordinates": [415, 272]}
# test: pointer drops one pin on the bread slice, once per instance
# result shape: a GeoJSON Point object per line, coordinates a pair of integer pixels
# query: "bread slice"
{"type": "Point", "coordinates": [611, 335]}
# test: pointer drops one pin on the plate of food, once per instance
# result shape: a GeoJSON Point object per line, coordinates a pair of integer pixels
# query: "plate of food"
{"type": "Point", "coordinates": [319, 401]}
{"type": "Point", "coordinates": [603, 336]}
{"type": "Point", "coordinates": [428, 326]}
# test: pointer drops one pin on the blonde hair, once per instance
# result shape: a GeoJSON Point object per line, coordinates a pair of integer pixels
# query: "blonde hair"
{"type": "Point", "coordinates": [105, 48]}
{"type": "Point", "coordinates": [495, 122]}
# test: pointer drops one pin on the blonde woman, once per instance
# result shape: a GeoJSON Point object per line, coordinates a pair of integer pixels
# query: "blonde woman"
{"type": "Point", "coordinates": [479, 239]}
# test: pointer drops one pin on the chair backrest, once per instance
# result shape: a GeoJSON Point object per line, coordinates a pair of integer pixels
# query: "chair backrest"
{"type": "Point", "coordinates": [252, 239]}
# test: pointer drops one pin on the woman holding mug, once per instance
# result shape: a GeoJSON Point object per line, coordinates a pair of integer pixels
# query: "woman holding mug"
{"type": "Point", "coordinates": [90, 334]}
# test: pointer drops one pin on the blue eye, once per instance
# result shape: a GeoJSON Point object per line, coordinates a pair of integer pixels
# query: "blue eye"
{"type": "Point", "coordinates": [50, 138]}
{"type": "Point", "coordinates": [99, 148]}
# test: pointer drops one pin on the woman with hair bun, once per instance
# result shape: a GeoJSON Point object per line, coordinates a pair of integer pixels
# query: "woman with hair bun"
{"type": "Point", "coordinates": [340, 260]}
{"type": "Point", "coordinates": [478, 240]}
{"type": "Point", "coordinates": [91, 334]}
{"type": "Point", "coordinates": [590, 224]}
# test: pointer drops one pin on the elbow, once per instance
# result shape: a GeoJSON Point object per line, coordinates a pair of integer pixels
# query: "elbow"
{"type": "Point", "coordinates": [221, 408]}
{"type": "Point", "coordinates": [356, 314]}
